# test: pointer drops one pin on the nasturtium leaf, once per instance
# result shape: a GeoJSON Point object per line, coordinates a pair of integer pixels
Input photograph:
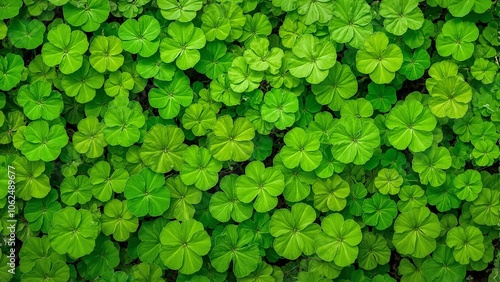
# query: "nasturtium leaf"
{"type": "Point", "coordinates": [360, 108]}
{"type": "Point", "coordinates": [122, 125]}
{"type": "Point", "coordinates": [351, 22]}
{"type": "Point", "coordinates": [443, 197]}
{"type": "Point", "coordinates": [118, 84]}
{"type": "Point", "coordinates": [339, 240]}
{"type": "Point", "coordinates": [421, 37]}
{"type": "Point", "coordinates": [57, 270]}
{"type": "Point", "coordinates": [182, 45]}
{"type": "Point", "coordinates": [311, 59]}
{"type": "Point", "coordinates": [263, 273]}
{"type": "Point", "coordinates": [225, 205]}
{"type": "Point", "coordinates": [185, 244]}
{"type": "Point", "coordinates": [279, 107]}
{"type": "Point", "coordinates": [104, 257]}
{"type": "Point", "coordinates": [388, 181]}
{"type": "Point", "coordinates": [181, 10]}
{"type": "Point", "coordinates": [39, 212]}
{"type": "Point", "coordinates": [485, 131]}
{"type": "Point", "coordinates": [140, 36]}
{"type": "Point", "coordinates": [330, 194]}
{"type": "Point", "coordinates": [450, 97]}
{"type": "Point", "coordinates": [65, 48]}
{"type": "Point", "coordinates": [379, 59]}
{"type": "Point", "coordinates": [442, 266]}
{"type": "Point", "coordinates": [354, 140]}
{"type": "Point", "coordinates": [415, 63]}
{"type": "Point", "coordinates": [221, 91]}
{"type": "Point", "coordinates": [153, 66]}
{"type": "Point", "coordinates": [320, 11]}
{"type": "Point", "coordinates": [339, 85]}
{"type": "Point", "coordinates": [237, 19]}
{"type": "Point", "coordinates": [199, 119]}
{"type": "Point", "coordinates": [147, 194]}
{"type": "Point", "coordinates": [105, 183]}
{"type": "Point", "coordinates": [485, 153]}
{"type": "Point", "coordinates": [214, 23]}
{"type": "Point", "coordinates": [10, 8]}
{"type": "Point", "coordinates": [11, 66]}
{"type": "Point", "coordinates": [410, 126]}
{"type": "Point", "coordinates": [43, 141]}
{"type": "Point", "coordinates": [379, 211]}
{"type": "Point", "coordinates": [200, 168]}
{"type": "Point", "coordinates": [467, 243]}
{"type": "Point", "coordinates": [323, 268]}
{"type": "Point", "coordinates": [485, 210]}
{"type": "Point", "coordinates": [401, 15]}
{"type": "Point", "coordinates": [105, 53]}
{"type": "Point", "coordinates": [373, 251]}
{"type": "Point", "coordinates": [214, 60]}
{"type": "Point", "coordinates": [411, 271]}
{"type": "Point", "coordinates": [88, 16]}
{"type": "Point", "coordinates": [260, 125]}
{"type": "Point", "coordinates": [38, 70]}
{"type": "Point", "coordinates": [301, 148]}
{"type": "Point", "coordinates": [147, 272]}
{"type": "Point", "coordinates": [484, 70]}
{"type": "Point", "coordinates": [76, 190]}
{"type": "Point", "coordinates": [263, 147]}
{"type": "Point", "coordinates": [82, 83]}
{"type": "Point", "coordinates": [150, 246]}
{"type": "Point", "coordinates": [182, 199]}
{"type": "Point", "coordinates": [231, 140]}
{"type": "Point", "coordinates": [290, 31]}
{"type": "Point", "coordinates": [162, 148]}
{"type": "Point", "coordinates": [431, 164]}
{"type": "Point", "coordinates": [294, 231]}
{"type": "Point", "coordinates": [468, 185]}
{"type": "Point", "coordinates": [439, 71]}
{"type": "Point", "coordinates": [171, 95]}
{"type": "Point", "coordinates": [260, 58]}
{"type": "Point", "coordinates": [35, 249]}
{"type": "Point", "coordinates": [416, 232]}
{"type": "Point", "coordinates": [26, 34]}
{"type": "Point", "coordinates": [323, 125]}
{"type": "Point", "coordinates": [456, 39]}
{"type": "Point", "coordinates": [31, 181]}
{"type": "Point", "coordinates": [74, 232]}
{"type": "Point", "coordinates": [242, 77]}
{"type": "Point", "coordinates": [461, 8]}
{"type": "Point", "coordinates": [40, 101]}
{"type": "Point", "coordinates": [118, 220]}
{"type": "Point", "coordinates": [260, 184]}
{"type": "Point", "coordinates": [356, 198]}
{"type": "Point", "coordinates": [297, 181]}
{"type": "Point", "coordinates": [255, 26]}
{"type": "Point", "coordinates": [235, 244]}
{"type": "Point", "coordinates": [381, 97]}
{"type": "Point", "coordinates": [286, 5]}
{"type": "Point", "coordinates": [411, 197]}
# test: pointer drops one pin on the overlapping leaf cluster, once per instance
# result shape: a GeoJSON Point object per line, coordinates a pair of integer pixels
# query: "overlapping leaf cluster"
{"type": "Point", "coordinates": [251, 140]}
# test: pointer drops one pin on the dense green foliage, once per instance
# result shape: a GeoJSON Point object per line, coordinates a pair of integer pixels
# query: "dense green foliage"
{"type": "Point", "coordinates": [250, 140]}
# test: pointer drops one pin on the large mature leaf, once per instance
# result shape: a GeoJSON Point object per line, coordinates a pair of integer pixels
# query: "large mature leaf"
{"type": "Point", "coordinates": [339, 240]}
{"type": "Point", "coordinates": [185, 244]}
{"type": "Point", "coordinates": [147, 194]}
{"type": "Point", "coordinates": [74, 232]}
{"type": "Point", "coordinates": [294, 231]}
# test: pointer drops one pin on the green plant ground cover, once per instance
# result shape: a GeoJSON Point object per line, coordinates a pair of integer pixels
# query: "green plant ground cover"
{"type": "Point", "coordinates": [250, 140]}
